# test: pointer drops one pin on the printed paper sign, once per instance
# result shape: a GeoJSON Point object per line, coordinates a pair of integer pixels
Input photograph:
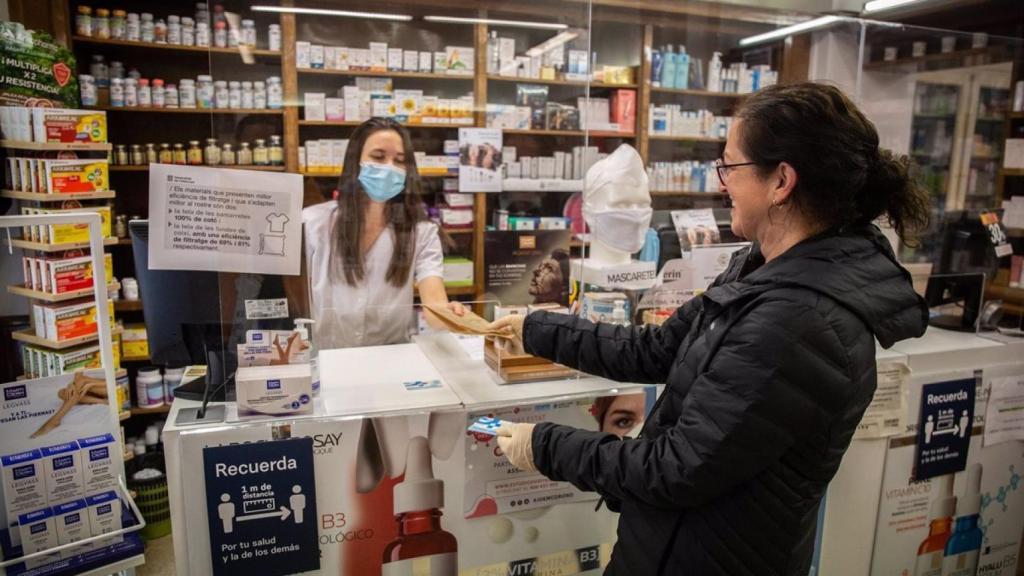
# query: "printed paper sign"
{"type": "Point", "coordinates": [696, 228]}
{"type": "Point", "coordinates": [1004, 418]}
{"type": "Point", "coordinates": [710, 261]}
{"type": "Point", "coordinates": [944, 428]}
{"type": "Point", "coordinates": [261, 507]}
{"type": "Point", "coordinates": [224, 220]}
{"type": "Point", "coordinates": [886, 414]}
{"type": "Point", "coordinates": [480, 160]}
{"type": "Point", "coordinates": [266, 309]}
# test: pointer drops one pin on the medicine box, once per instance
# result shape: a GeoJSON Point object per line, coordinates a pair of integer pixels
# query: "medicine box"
{"type": "Point", "coordinates": [316, 56]}
{"type": "Point", "coordinates": [314, 106]}
{"type": "Point", "coordinates": [274, 390]}
{"type": "Point", "coordinates": [24, 487]}
{"type": "Point", "coordinates": [71, 519]}
{"type": "Point", "coordinates": [62, 467]}
{"type": "Point", "coordinates": [98, 468]}
{"type": "Point", "coordinates": [68, 320]}
{"type": "Point", "coordinates": [38, 533]}
{"type": "Point", "coordinates": [69, 126]}
{"type": "Point", "coordinates": [60, 176]}
{"type": "Point", "coordinates": [378, 57]}
{"type": "Point", "coordinates": [302, 55]}
{"type": "Point", "coordinates": [105, 516]}
{"type": "Point", "coordinates": [458, 271]}
{"type": "Point", "coordinates": [134, 343]}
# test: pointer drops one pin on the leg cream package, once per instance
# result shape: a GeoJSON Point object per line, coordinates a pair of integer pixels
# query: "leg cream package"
{"type": "Point", "coordinates": [98, 463]}
{"type": "Point", "coordinates": [24, 487]}
{"type": "Point", "coordinates": [38, 533]}
{"type": "Point", "coordinates": [105, 516]}
{"type": "Point", "coordinates": [71, 520]}
{"type": "Point", "coordinates": [62, 464]}
{"type": "Point", "coordinates": [274, 390]}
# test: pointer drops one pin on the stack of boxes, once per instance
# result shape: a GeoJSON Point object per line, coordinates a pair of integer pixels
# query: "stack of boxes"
{"type": "Point", "coordinates": [671, 120]}
{"type": "Point", "coordinates": [379, 57]}
{"type": "Point", "coordinates": [533, 111]}
{"type": "Point", "coordinates": [376, 97]}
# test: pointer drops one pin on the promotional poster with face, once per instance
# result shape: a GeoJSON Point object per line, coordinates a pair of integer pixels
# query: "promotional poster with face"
{"type": "Point", "coordinates": [526, 268]}
{"type": "Point", "coordinates": [420, 494]}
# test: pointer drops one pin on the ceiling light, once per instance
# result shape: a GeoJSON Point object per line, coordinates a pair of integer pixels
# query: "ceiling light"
{"type": "Point", "coordinates": [790, 30]}
{"type": "Point", "coordinates": [878, 5]}
{"type": "Point", "coordinates": [326, 12]}
{"type": "Point", "coordinates": [492, 22]}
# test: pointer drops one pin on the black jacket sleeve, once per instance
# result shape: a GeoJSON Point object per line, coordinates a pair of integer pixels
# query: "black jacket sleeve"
{"type": "Point", "coordinates": [622, 353]}
{"type": "Point", "coordinates": [762, 392]}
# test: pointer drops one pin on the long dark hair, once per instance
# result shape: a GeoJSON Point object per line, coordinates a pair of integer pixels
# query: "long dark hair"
{"type": "Point", "coordinates": [403, 212]}
{"type": "Point", "coordinates": [845, 179]}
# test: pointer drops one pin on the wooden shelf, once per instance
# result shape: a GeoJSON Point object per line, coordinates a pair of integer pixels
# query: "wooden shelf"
{"type": "Point", "coordinates": [127, 305]}
{"type": "Point", "coordinates": [358, 122]}
{"type": "Point", "coordinates": [232, 167]}
{"type": "Point", "coordinates": [253, 111]}
{"type": "Point", "coordinates": [134, 358]}
{"type": "Point", "coordinates": [882, 64]}
{"type": "Point", "coordinates": [128, 456]}
{"type": "Point", "coordinates": [61, 197]}
{"type": "Point", "coordinates": [571, 133]}
{"type": "Point", "coordinates": [458, 231]}
{"type": "Point", "coordinates": [1012, 171]}
{"type": "Point", "coordinates": [558, 82]}
{"type": "Point", "coordinates": [707, 139]}
{"type": "Point", "coordinates": [1002, 292]}
{"type": "Point", "coordinates": [701, 93]}
{"type": "Point", "coordinates": [175, 47]}
{"type": "Point", "coordinates": [460, 290]}
{"type": "Point", "coordinates": [30, 338]}
{"type": "Point", "coordinates": [395, 74]}
{"type": "Point", "coordinates": [58, 146]}
{"type": "Point", "coordinates": [47, 297]}
{"type": "Point", "coordinates": [1016, 115]}
{"type": "Point", "coordinates": [162, 409]}
{"type": "Point", "coordinates": [41, 247]}
{"type": "Point", "coordinates": [122, 416]}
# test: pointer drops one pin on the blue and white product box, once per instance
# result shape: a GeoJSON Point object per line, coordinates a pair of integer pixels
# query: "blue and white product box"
{"type": "Point", "coordinates": [24, 487]}
{"type": "Point", "coordinates": [38, 533]}
{"type": "Point", "coordinates": [98, 469]}
{"type": "Point", "coordinates": [71, 519]}
{"type": "Point", "coordinates": [274, 390]}
{"type": "Point", "coordinates": [599, 306]}
{"type": "Point", "coordinates": [105, 516]}
{"type": "Point", "coordinates": [62, 465]}
{"type": "Point", "coordinates": [486, 425]}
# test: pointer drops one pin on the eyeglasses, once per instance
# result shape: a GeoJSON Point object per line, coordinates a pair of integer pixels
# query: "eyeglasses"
{"type": "Point", "coordinates": [724, 169]}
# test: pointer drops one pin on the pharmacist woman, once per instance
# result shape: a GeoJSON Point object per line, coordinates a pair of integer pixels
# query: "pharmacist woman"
{"type": "Point", "coordinates": [369, 248]}
{"type": "Point", "coordinates": [768, 372]}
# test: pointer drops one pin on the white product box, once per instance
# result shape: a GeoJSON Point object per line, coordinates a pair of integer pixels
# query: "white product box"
{"type": "Point", "coordinates": [105, 516]}
{"type": "Point", "coordinates": [316, 56]}
{"type": "Point", "coordinates": [451, 147]}
{"type": "Point", "coordinates": [334, 109]}
{"type": "Point", "coordinates": [343, 57]}
{"type": "Point", "coordinates": [353, 99]}
{"type": "Point", "coordinates": [98, 468]}
{"type": "Point", "coordinates": [458, 200]}
{"type": "Point", "coordinates": [62, 467]}
{"type": "Point", "coordinates": [507, 56]}
{"type": "Point", "coordinates": [440, 62]}
{"type": "Point", "coordinates": [302, 55]}
{"type": "Point", "coordinates": [502, 311]}
{"type": "Point", "coordinates": [456, 217]}
{"type": "Point", "coordinates": [450, 185]}
{"type": "Point", "coordinates": [554, 223]}
{"type": "Point", "coordinates": [38, 533]}
{"type": "Point", "coordinates": [509, 154]}
{"type": "Point", "coordinates": [382, 106]}
{"type": "Point", "coordinates": [313, 161]}
{"type": "Point", "coordinates": [378, 56]}
{"type": "Point", "coordinates": [458, 270]}
{"type": "Point", "coordinates": [459, 60]}
{"type": "Point", "coordinates": [71, 519]}
{"type": "Point", "coordinates": [313, 108]}
{"type": "Point", "coordinates": [338, 149]}
{"type": "Point", "coordinates": [275, 390]}
{"type": "Point", "coordinates": [426, 61]}
{"type": "Point", "coordinates": [24, 487]}
{"type": "Point", "coordinates": [395, 59]}
{"type": "Point", "coordinates": [520, 223]}
{"type": "Point", "coordinates": [330, 58]}
{"type": "Point", "coordinates": [411, 61]}
{"type": "Point", "coordinates": [1014, 155]}
{"type": "Point", "coordinates": [546, 167]}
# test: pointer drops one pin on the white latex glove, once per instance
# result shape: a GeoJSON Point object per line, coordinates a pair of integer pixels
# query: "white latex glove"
{"type": "Point", "coordinates": [516, 441]}
{"type": "Point", "coordinates": [512, 325]}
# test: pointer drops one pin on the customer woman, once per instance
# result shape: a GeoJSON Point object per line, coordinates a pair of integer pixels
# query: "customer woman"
{"type": "Point", "coordinates": [367, 249]}
{"type": "Point", "coordinates": [768, 372]}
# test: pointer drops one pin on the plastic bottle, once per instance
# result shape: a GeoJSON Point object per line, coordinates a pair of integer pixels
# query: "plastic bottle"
{"type": "Point", "coordinates": [668, 68]}
{"type": "Point", "coordinates": [188, 31]}
{"type": "Point", "coordinates": [259, 95]}
{"type": "Point", "coordinates": [247, 96]}
{"type": "Point", "coordinates": [248, 33]}
{"type": "Point", "coordinates": [274, 37]}
{"type": "Point", "coordinates": [101, 24]}
{"type": "Point", "coordinates": [121, 155]}
{"type": "Point", "coordinates": [160, 31]}
{"type": "Point", "coordinates": [227, 156]}
{"type": "Point", "coordinates": [682, 69]}
{"type": "Point", "coordinates": [211, 154]}
{"type": "Point", "coordinates": [244, 155]}
{"type": "Point", "coordinates": [204, 91]}
{"type": "Point", "coordinates": [83, 21]}
{"type": "Point", "coordinates": [933, 548]}
{"type": "Point", "coordinates": [619, 313]}
{"type": "Point", "coordinates": [147, 27]}
{"type": "Point", "coordinates": [138, 158]}
{"type": "Point", "coordinates": [145, 94]}
{"type": "Point", "coordinates": [117, 24]}
{"type": "Point", "coordinates": [170, 96]}
{"type": "Point", "coordinates": [260, 154]}
{"type": "Point", "coordinates": [179, 156]}
{"type": "Point", "coordinates": [195, 153]}
{"type": "Point", "coordinates": [173, 30]}
{"type": "Point", "coordinates": [99, 71]}
{"type": "Point", "coordinates": [151, 158]}
{"type": "Point", "coordinates": [117, 92]}
{"type": "Point", "coordinates": [149, 387]}
{"type": "Point", "coordinates": [202, 34]}
{"type": "Point", "coordinates": [158, 93]}
{"type": "Point", "coordinates": [275, 152]}
{"type": "Point", "coordinates": [87, 89]}
{"type": "Point", "coordinates": [132, 27]}
{"type": "Point", "coordinates": [220, 34]}
{"type": "Point", "coordinates": [187, 93]}
{"type": "Point", "coordinates": [131, 92]}
{"type": "Point", "coordinates": [418, 501]}
{"type": "Point", "coordinates": [234, 94]}
{"type": "Point", "coordinates": [165, 156]}
{"type": "Point", "coordinates": [657, 62]}
{"type": "Point", "coordinates": [715, 73]}
{"type": "Point", "coordinates": [221, 94]}
{"type": "Point", "coordinates": [116, 69]}
{"type": "Point", "coordinates": [964, 545]}
{"type": "Point", "coordinates": [275, 93]}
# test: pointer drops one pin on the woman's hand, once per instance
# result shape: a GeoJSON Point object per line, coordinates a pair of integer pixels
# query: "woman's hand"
{"type": "Point", "coordinates": [457, 308]}
{"type": "Point", "coordinates": [512, 327]}
{"type": "Point", "coordinates": [516, 441]}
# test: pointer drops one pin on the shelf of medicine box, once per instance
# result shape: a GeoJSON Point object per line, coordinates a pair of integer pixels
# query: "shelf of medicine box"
{"type": "Point", "coordinates": [48, 297]}
{"type": "Point", "coordinates": [900, 62]}
{"type": "Point", "coordinates": [44, 247]}
{"type": "Point", "coordinates": [30, 338]}
{"type": "Point", "coordinates": [127, 168]}
{"type": "Point", "coordinates": [359, 122]}
{"type": "Point", "coordinates": [376, 74]}
{"type": "Point", "coordinates": [161, 409]}
{"type": "Point", "coordinates": [59, 197]}
{"type": "Point", "coordinates": [689, 194]}
{"type": "Point", "coordinates": [695, 92]}
{"type": "Point", "coordinates": [667, 138]}
{"type": "Point", "coordinates": [58, 146]}
{"type": "Point", "coordinates": [579, 133]}
{"type": "Point", "coordinates": [176, 47]}
{"type": "Point", "coordinates": [235, 111]}
{"type": "Point", "coordinates": [424, 173]}
{"type": "Point", "coordinates": [559, 82]}
{"type": "Point", "coordinates": [127, 305]}
{"type": "Point", "coordinates": [541, 185]}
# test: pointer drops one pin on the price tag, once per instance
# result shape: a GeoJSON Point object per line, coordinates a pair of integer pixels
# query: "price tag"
{"type": "Point", "coordinates": [996, 234]}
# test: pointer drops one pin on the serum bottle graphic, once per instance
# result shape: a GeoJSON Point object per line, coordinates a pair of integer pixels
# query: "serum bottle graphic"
{"type": "Point", "coordinates": [964, 544]}
{"type": "Point", "coordinates": [421, 547]}
{"type": "Point", "coordinates": [933, 548]}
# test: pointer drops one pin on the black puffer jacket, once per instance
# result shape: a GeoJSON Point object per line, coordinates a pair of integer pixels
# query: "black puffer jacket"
{"type": "Point", "coordinates": [767, 373]}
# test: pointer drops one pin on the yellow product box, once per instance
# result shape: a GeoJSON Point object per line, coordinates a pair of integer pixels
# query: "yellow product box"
{"type": "Point", "coordinates": [69, 126]}
{"type": "Point", "coordinates": [62, 275]}
{"type": "Point", "coordinates": [66, 176]}
{"type": "Point", "coordinates": [134, 342]}
{"type": "Point", "coordinates": [73, 233]}
{"type": "Point", "coordinates": [69, 320]}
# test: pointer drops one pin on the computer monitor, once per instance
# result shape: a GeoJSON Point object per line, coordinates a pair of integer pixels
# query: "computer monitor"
{"type": "Point", "coordinates": [966, 246]}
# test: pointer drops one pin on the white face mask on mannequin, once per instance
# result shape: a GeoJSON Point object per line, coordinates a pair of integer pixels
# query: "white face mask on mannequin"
{"type": "Point", "coordinates": [624, 229]}
{"type": "Point", "coordinates": [617, 201]}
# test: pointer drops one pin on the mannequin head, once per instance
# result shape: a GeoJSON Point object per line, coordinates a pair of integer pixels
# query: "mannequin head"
{"type": "Point", "coordinates": [617, 205]}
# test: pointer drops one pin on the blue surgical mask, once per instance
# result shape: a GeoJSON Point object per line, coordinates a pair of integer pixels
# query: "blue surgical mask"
{"type": "Point", "coordinates": [382, 182]}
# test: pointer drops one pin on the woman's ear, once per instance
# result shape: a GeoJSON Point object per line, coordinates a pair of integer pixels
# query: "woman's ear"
{"type": "Point", "coordinates": [785, 181]}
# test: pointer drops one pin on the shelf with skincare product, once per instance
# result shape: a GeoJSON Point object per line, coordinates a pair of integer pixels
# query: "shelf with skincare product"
{"type": "Point", "coordinates": [56, 146]}
{"type": "Point", "coordinates": [56, 197]}
{"type": "Point", "coordinates": [568, 133]}
{"type": "Point", "coordinates": [62, 297]}
{"type": "Point", "coordinates": [151, 110]}
{"type": "Point", "coordinates": [703, 139]}
{"type": "Point", "coordinates": [560, 82]}
{"type": "Point", "coordinates": [241, 50]}
{"type": "Point", "coordinates": [353, 123]}
{"type": "Point", "coordinates": [695, 92]}
{"type": "Point", "coordinates": [127, 305]}
{"type": "Point", "coordinates": [900, 64]}
{"type": "Point", "coordinates": [45, 247]}
{"type": "Point", "coordinates": [28, 337]}
{"type": "Point", "coordinates": [233, 167]}
{"type": "Point", "coordinates": [383, 74]}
